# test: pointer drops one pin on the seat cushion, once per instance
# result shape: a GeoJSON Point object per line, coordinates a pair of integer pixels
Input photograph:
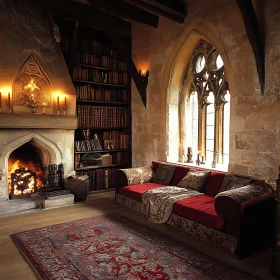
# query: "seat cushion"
{"type": "Point", "coordinates": [199, 209]}
{"type": "Point", "coordinates": [135, 192]}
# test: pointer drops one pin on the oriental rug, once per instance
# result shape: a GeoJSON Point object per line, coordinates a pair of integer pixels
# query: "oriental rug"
{"type": "Point", "coordinates": [115, 247]}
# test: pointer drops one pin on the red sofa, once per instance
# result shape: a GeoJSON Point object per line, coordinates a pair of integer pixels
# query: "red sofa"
{"type": "Point", "coordinates": [241, 227]}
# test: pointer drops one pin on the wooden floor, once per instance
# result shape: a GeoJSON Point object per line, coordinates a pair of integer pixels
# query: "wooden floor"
{"type": "Point", "coordinates": [14, 266]}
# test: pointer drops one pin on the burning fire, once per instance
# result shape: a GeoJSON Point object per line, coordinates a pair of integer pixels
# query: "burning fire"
{"type": "Point", "coordinates": [25, 180]}
{"type": "Point", "coordinates": [31, 86]}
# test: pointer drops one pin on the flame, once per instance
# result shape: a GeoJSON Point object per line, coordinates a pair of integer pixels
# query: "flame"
{"type": "Point", "coordinates": [31, 86]}
{"type": "Point", "coordinates": [29, 167]}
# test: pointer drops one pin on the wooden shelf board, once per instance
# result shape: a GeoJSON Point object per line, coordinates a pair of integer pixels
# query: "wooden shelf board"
{"type": "Point", "coordinates": [100, 67]}
{"type": "Point", "coordinates": [99, 166]}
{"type": "Point", "coordinates": [105, 128]}
{"type": "Point", "coordinates": [101, 151]}
{"type": "Point", "coordinates": [101, 102]}
{"type": "Point", "coordinates": [102, 84]}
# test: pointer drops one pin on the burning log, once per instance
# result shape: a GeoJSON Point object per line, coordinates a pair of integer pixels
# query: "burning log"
{"type": "Point", "coordinates": [23, 181]}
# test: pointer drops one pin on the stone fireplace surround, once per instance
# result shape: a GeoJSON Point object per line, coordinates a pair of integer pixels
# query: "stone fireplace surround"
{"type": "Point", "coordinates": [27, 33]}
{"type": "Point", "coordinates": [53, 135]}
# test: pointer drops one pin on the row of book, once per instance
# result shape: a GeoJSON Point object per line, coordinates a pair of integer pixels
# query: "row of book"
{"type": "Point", "coordinates": [97, 47]}
{"type": "Point", "coordinates": [99, 76]}
{"type": "Point", "coordinates": [100, 179]}
{"type": "Point", "coordinates": [112, 140]}
{"type": "Point", "coordinates": [87, 145]}
{"type": "Point", "coordinates": [91, 92]}
{"type": "Point", "coordinates": [97, 60]}
{"type": "Point", "coordinates": [102, 116]}
{"type": "Point", "coordinates": [120, 158]}
{"type": "Point", "coordinates": [119, 139]}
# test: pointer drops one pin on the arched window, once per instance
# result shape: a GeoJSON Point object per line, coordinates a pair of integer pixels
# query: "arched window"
{"type": "Point", "coordinates": [208, 106]}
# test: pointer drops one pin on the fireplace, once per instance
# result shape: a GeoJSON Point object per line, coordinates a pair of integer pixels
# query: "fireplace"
{"type": "Point", "coordinates": [25, 170]}
{"type": "Point", "coordinates": [29, 171]}
{"type": "Point", "coordinates": [37, 98]}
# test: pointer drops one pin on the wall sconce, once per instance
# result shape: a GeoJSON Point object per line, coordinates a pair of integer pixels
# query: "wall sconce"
{"type": "Point", "coordinates": [144, 77]}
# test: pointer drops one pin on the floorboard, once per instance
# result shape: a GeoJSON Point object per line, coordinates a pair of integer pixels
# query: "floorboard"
{"type": "Point", "coordinates": [14, 266]}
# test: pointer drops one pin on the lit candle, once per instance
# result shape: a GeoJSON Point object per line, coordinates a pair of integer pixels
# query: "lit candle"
{"type": "Point", "coordinates": [0, 100]}
{"type": "Point", "coordinates": [189, 150]}
{"type": "Point", "coordinates": [58, 107]}
{"type": "Point", "coordinates": [9, 100]}
{"type": "Point", "coordinates": [65, 103]}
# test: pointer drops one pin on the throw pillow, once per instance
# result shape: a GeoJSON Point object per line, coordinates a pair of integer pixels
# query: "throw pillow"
{"type": "Point", "coordinates": [232, 182]}
{"type": "Point", "coordinates": [229, 203]}
{"type": "Point", "coordinates": [195, 180]}
{"type": "Point", "coordinates": [164, 173]}
{"type": "Point", "coordinates": [138, 175]}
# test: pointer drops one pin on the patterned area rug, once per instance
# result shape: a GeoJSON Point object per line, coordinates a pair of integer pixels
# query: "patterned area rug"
{"type": "Point", "coordinates": [115, 247]}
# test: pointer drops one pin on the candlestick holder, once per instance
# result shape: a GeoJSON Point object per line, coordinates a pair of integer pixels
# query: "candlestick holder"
{"type": "Point", "coordinates": [189, 158]}
{"type": "Point", "coordinates": [202, 160]}
{"type": "Point", "coordinates": [214, 163]}
{"type": "Point", "coordinates": [197, 162]}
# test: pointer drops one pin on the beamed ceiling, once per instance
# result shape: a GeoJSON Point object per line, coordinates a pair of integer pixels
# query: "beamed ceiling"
{"type": "Point", "coordinates": [114, 17]}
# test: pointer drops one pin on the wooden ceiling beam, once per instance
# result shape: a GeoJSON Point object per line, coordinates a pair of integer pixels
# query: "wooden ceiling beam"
{"type": "Point", "coordinates": [126, 11]}
{"type": "Point", "coordinates": [253, 32]}
{"type": "Point", "coordinates": [85, 15]}
{"type": "Point", "coordinates": [177, 15]}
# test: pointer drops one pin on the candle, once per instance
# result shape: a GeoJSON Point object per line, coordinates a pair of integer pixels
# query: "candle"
{"type": "Point", "coordinates": [65, 103]}
{"type": "Point", "coordinates": [9, 100]}
{"type": "Point", "coordinates": [58, 107]}
{"type": "Point", "coordinates": [0, 100]}
{"type": "Point", "coordinates": [189, 150]}
{"type": "Point", "coordinates": [44, 108]}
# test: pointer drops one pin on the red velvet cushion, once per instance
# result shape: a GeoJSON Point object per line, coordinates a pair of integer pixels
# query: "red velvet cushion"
{"type": "Point", "coordinates": [214, 183]}
{"type": "Point", "coordinates": [155, 165]}
{"type": "Point", "coordinates": [180, 172]}
{"type": "Point", "coordinates": [135, 192]}
{"type": "Point", "coordinates": [199, 209]}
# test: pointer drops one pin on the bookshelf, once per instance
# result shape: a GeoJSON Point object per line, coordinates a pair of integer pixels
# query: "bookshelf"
{"type": "Point", "coordinates": [103, 106]}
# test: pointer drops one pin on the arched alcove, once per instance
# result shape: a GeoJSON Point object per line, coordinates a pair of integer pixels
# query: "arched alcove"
{"type": "Point", "coordinates": [173, 78]}
{"type": "Point", "coordinates": [47, 151]}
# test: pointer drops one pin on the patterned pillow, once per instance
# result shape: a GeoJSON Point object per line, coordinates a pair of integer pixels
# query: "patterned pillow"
{"type": "Point", "coordinates": [195, 180]}
{"type": "Point", "coordinates": [164, 173]}
{"type": "Point", "coordinates": [138, 175]}
{"type": "Point", "coordinates": [254, 189]}
{"type": "Point", "coordinates": [232, 182]}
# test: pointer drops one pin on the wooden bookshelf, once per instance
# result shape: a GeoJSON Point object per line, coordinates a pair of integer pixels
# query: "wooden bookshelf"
{"type": "Point", "coordinates": [103, 106]}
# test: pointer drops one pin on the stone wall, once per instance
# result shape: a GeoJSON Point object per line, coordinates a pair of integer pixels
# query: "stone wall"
{"type": "Point", "coordinates": [26, 30]}
{"type": "Point", "coordinates": [254, 125]}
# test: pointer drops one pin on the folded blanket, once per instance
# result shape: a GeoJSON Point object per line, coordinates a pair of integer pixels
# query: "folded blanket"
{"type": "Point", "coordinates": [159, 201]}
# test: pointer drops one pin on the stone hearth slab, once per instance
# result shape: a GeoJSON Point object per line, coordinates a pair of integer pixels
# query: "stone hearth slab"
{"type": "Point", "coordinates": [8, 207]}
{"type": "Point", "coordinates": [23, 205]}
{"type": "Point", "coordinates": [58, 201]}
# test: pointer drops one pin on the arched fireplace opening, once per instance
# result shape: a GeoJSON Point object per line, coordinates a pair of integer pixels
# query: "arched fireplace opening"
{"type": "Point", "coordinates": [26, 167]}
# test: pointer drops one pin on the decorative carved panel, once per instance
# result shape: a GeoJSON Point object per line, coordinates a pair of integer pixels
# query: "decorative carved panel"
{"type": "Point", "coordinates": [31, 85]}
